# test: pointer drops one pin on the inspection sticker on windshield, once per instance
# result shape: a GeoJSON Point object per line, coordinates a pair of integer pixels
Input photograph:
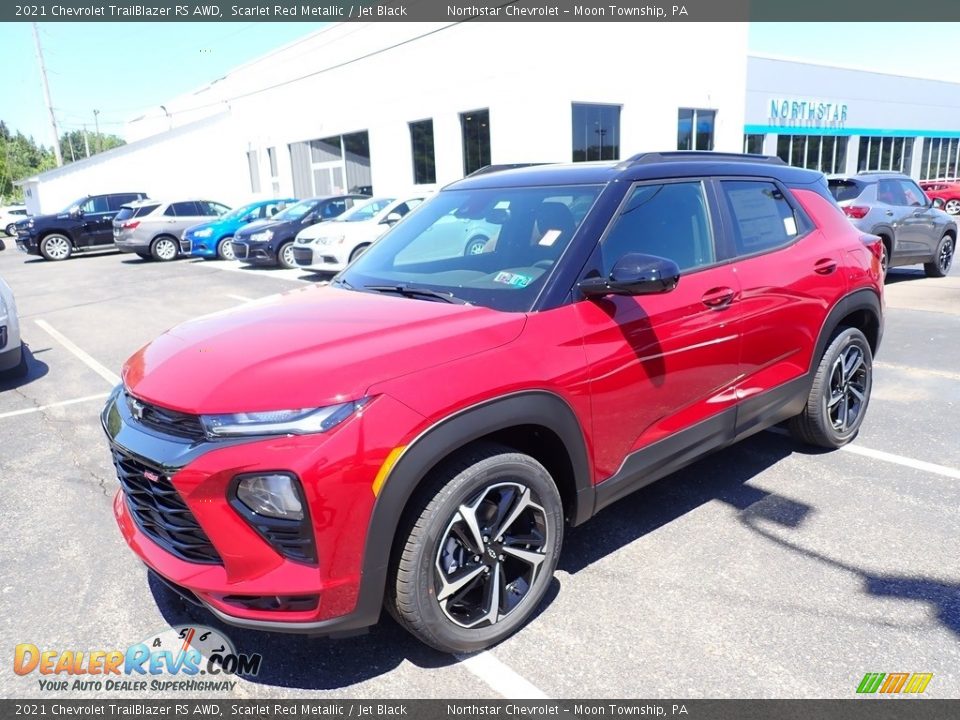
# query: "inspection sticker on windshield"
{"type": "Point", "coordinates": [549, 238]}
{"type": "Point", "coordinates": [515, 279]}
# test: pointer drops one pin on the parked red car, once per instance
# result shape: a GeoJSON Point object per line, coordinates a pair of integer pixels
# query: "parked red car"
{"type": "Point", "coordinates": [418, 434]}
{"type": "Point", "coordinates": [949, 192]}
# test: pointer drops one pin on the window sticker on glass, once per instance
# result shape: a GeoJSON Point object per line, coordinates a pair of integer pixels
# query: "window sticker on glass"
{"type": "Point", "coordinates": [549, 238]}
{"type": "Point", "coordinates": [790, 225]}
{"type": "Point", "coordinates": [509, 278]}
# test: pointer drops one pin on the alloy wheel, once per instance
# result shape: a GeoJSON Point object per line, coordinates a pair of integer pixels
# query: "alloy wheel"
{"type": "Point", "coordinates": [57, 247]}
{"type": "Point", "coordinates": [848, 388]}
{"type": "Point", "coordinates": [490, 555]}
{"type": "Point", "coordinates": [945, 257]}
{"type": "Point", "coordinates": [226, 249]}
{"type": "Point", "coordinates": [286, 256]}
{"type": "Point", "coordinates": [952, 206]}
{"type": "Point", "coordinates": [165, 249]}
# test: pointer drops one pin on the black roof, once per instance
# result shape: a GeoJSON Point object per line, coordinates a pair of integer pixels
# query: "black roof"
{"type": "Point", "coordinates": [644, 166]}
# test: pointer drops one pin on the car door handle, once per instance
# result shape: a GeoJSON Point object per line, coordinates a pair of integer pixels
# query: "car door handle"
{"type": "Point", "coordinates": [718, 298]}
{"type": "Point", "coordinates": [889, 212]}
{"type": "Point", "coordinates": [824, 266]}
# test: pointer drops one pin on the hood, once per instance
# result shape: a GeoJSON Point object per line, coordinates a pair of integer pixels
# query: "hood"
{"type": "Point", "coordinates": [333, 227]}
{"type": "Point", "coordinates": [212, 224]}
{"type": "Point", "coordinates": [307, 348]}
{"type": "Point", "coordinates": [48, 218]}
{"type": "Point", "coordinates": [258, 225]}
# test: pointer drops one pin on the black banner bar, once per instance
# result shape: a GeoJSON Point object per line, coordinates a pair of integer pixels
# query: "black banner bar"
{"type": "Point", "coordinates": [859, 11]}
{"type": "Point", "coordinates": [867, 708]}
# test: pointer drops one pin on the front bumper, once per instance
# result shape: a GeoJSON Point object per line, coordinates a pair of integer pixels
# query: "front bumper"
{"type": "Point", "coordinates": [317, 257]}
{"type": "Point", "coordinates": [198, 246]}
{"type": "Point", "coordinates": [339, 500]}
{"type": "Point", "coordinates": [254, 253]}
{"type": "Point", "coordinates": [27, 243]}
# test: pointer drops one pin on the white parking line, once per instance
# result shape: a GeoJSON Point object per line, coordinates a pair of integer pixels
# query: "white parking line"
{"type": "Point", "coordinates": [918, 370]}
{"type": "Point", "coordinates": [923, 465]}
{"type": "Point", "coordinates": [500, 677]}
{"type": "Point", "coordinates": [99, 369]}
{"type": "Point", "coordinates": [41, 408]}
{"type": "Point", "coordinates": [241, 298]}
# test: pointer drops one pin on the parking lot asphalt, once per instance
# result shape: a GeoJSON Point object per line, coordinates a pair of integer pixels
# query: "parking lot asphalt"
{"type": "Point", "coordinates": [766, 570]}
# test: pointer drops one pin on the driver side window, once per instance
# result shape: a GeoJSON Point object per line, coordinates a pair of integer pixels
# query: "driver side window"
{"type": "Point", "coordinates": [95, 205]}
{"type": "Point", "coordinates": [667, 220]}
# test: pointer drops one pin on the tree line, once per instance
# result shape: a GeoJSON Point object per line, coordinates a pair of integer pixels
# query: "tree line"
{"type": "Point", "coordinates": [21, 156]}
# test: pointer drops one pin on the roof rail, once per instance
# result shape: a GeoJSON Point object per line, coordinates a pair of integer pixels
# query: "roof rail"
{"type": "Point", "coordinates": [880, 172]}
{"type": "Point", "coordinates": [487, 169]}
{"type": "Point", "coordinates": [690, 155]}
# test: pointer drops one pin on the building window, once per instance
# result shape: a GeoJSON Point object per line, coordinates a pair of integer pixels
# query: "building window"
{"type": "Point", "coordinates": [596, 132]}
{"type": "Point", "coordinates": [332, 165]}
{"type": "Point", "coordinates": [421, 144]}
{"type": "Point", "coordinates": [253, 162]}
{"type": "Point", "coordinates": [695, 129]}
{"type": "Point", "coordinates": [885, 153]}
{"type": "Point", "coordinates": [939, 159]}
{"type": "Point", "coordinates": [826, 153]}
{"type": "Point", "coordinates": [753, 144]}
{"type": "Point", "coordinates": [274, 175]}
{"type": "Point", "coordinates": [475, 128]}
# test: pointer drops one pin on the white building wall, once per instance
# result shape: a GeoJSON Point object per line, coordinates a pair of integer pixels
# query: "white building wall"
{"type": "Point", "coordinates": [381, 76]}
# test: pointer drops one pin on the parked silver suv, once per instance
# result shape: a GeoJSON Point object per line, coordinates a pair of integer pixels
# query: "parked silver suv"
{"type": "Point", "coordinates": [914, 229]}
{"type": "Point", "coordinates": [152, 229]}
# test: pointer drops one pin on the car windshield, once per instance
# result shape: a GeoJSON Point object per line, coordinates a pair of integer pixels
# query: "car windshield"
{"type": "Point", "coordinates": [295, 212]}
{"type": "Point", "coordinates": [494, 247]}
{"type": "Point", "coordinates": [74, 204]}
{"type": "Point", "coordinates": [240, 211]}
{"type": "Point", "coordinates": [364, 211]}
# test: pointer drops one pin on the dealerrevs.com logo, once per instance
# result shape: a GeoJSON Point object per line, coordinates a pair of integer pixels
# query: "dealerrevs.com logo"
{"type": "Point", "coordinates": [186, 658]}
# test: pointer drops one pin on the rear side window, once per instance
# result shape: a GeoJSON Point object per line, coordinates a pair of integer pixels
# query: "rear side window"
{"type": "Point", "coordinates": [669, 221]}
{"type": "Point", "coordinates": [844, 189]}
{"type": "Point", "coordinates": [127, 212]}
{"type": "Point", "coordinates": [184, 209]}
{"type": "Point", "coordinates": [762, 218]}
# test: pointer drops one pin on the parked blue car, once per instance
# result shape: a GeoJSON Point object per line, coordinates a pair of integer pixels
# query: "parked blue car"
{"type": "Point", "coordinates": [211, 240]}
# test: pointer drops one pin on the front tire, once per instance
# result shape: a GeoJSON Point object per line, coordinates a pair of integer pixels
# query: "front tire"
{"type": "Point", "coordinates": [164, 249]}
{"type": "Point", "coordinates": [478, 556]}
{"type": "Point", "coordinates": [942, 258]}
{"type": "Point", "coordinates": [840, 393]}
{"type": "Point", "coordinates": [56, 247]}
{"type": "Point", "coordinates": [225, 249]}
{"type": "Point", "coordinates": [358, 251]}
{"type": "Point", "coordinates": [285, 257]}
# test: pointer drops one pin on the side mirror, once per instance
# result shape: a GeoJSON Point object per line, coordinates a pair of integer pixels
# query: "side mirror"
{"type": "Point", "coordinates": [76, 212]}
{"type": "Point", "coordinates": [635, 274]}
{"type": "Point", "coordinates": [248, 218]}
{"type": "Point", "coordinates": [392, 219]}
{"type": "Point", "coordinates": [938, 203]}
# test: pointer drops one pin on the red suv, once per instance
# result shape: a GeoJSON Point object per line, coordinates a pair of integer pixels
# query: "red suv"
{"type": "Point", "coordinates": [418, 434]}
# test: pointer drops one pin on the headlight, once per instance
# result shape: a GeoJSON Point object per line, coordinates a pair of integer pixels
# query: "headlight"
{"type": "Point", "coordinates": [264, 236]}
{"type": "Point", "coordinates": [280, 422]}
{"type": "Point", "coordinates": [331, 240]}
{"type": "Point", "coordinates": [271, 495]}
{"type": "Point", "coordinates": [304, 240]}
{"type": "Point", "coordinates": [206, 232]}
{"type": "Point", "coordinates": [30, 223]}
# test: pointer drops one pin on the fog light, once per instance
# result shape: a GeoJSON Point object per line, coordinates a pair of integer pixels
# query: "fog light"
{"type": "Point", "coordinates": [272, 495]}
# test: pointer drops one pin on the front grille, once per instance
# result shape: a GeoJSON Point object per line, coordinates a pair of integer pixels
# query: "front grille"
{"type": "Point", "coordinates": [165, 420]}
{"type": "Point", "coordinates": [3, 336]}
{"type": "Point", "coordinates": [303, 256]}
{"type": "Point", "coordinates": [185, 246]}
{"type": "Point", "coordinates": [160, 512]}
{"type": "Point", "coordinates": [239, 250]}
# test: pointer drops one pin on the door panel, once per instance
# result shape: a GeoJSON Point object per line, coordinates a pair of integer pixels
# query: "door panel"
{"type": "Point", "coordinates": [659, 363]}
{"type": "Point", "coordinates": [97, 224]}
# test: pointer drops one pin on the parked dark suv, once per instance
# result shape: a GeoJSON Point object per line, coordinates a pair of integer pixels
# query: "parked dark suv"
{"type": "Point", "coordinates": [419, 433]}
{"type": "Point", "coordinates": [85, 224]}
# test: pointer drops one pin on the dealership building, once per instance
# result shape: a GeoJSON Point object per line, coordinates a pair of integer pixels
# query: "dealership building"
{"type": "Point", "coordinates": [389, 108]}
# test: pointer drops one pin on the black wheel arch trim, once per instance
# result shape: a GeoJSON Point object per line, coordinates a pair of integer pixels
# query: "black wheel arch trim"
{"type": "Point", "coordinates": [862, 299]}
{"type": "Point", "coordinates": [536, 407]}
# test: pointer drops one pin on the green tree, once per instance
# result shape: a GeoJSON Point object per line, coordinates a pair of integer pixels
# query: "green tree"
{"type": "Point", "coordinates": [72, 145]}
{"type": "Point", "coordinates": [20, 157]}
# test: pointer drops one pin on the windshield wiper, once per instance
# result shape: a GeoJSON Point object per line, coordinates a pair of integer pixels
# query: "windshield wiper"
{"type": "Point", "coordinates": [410, 291]}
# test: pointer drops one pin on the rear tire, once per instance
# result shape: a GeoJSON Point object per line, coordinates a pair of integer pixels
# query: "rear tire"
{"type": "Point", "coordinates": [952, 206]}
{"type": "Point", "coordinates": [56, 247]}
{"type": "Point", "coordinates": [840, 393]}
{"type": "Point", "coordinates": [164, 249]}
{"type": "Point", "coordinates": [145, 256]}
{"type": "Point", "coordinates": [479, 550]}
{"type": "Point", "coordinates": [942, 258]}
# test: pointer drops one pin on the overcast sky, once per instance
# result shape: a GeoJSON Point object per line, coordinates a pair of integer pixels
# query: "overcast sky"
{"type": "Point", "coordinates": [121, 69]}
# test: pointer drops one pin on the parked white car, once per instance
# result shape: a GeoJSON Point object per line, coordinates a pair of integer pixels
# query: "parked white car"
{"type": "Point", "coordinates": [331, 246]}
{"type": "Point", "coordinates": [9, 216]}
{"type": "Point", "coordinates": [13, 361]}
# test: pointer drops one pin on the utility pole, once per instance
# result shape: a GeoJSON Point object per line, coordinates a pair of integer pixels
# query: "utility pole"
{"type": "Point", "coordinates": [46, 93]}
{"type": "Point", "coordinates": [73, 155]}
{"type": "Point", "coordinates": [86, 140]}
{"type": "Point", "coordinates": [96, 125]}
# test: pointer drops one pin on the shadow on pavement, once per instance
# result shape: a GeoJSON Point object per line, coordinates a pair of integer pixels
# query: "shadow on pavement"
{"type": "Point", "coordinates": [36, 369]}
